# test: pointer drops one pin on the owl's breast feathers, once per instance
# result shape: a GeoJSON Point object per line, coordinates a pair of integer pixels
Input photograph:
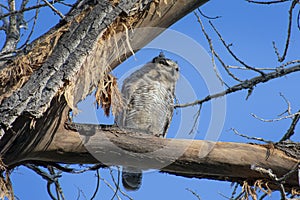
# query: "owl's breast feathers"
{"type": "Point", "coordinates": [149, 100]}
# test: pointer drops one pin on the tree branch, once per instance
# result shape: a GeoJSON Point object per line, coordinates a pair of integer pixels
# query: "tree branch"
{"type": "Point", "coordinates": [248, 84]}
{"type": "Point", "coordinates": [82, 143]}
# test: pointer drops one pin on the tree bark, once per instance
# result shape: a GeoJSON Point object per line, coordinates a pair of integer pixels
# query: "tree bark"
{"type": "Point", "coordinates": [111, 146]}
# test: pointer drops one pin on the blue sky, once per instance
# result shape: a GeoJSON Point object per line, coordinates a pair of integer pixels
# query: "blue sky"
{"type": "Point", "coordinates": [251, 28]}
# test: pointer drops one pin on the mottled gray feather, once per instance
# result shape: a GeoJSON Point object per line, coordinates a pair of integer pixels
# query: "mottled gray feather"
{"type": "Point", "coordinates": [149, 98]}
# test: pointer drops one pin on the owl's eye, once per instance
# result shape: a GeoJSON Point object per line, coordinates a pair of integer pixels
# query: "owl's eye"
{"type": "Point", "coordinates": [163, 62]}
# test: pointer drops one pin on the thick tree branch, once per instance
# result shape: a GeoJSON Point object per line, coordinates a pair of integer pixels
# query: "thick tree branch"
{"type": "Point", "coordinates": [188, 158]}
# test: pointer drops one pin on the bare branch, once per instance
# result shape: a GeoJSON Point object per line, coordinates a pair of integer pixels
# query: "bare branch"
{"type": "Point", "coordinates": [97, 184]}
{"type": "Point", "coordinates": [196, 117]}
{"type": "Point", "coordinates": [273, 176]}
{"type": "Point", "coordinates": [54, 9]}
{"type": "Point", "coordinates": [49, 177]}
{"type": "Point", "coordinates": [236, 185]}
{"type": "Point", "coordinates": [5, 21]}
{"type": "Point", "coordinates": [292, 127]}
{"type": "Point", "coordinates": [32, 28]}
{"type": "Point", "coordinates": [12, 30]}
{"type": "Point", "coordinates": [207, 17]}
{"type": "Point", "coordinates": [263, 196]}
{"type": "Point", "coordinates": [117, 183]}
{"type": "Point", "coordinates": [243, 68]}
{"type": "Point", "coordinates": [20, 16]}
{"type": "Point", "coordinates": [231, 52]}
{"type": "Point", "coordinates": [214, 53]}
{"type": "Point", "coordinates": [298, 20]}
{"type": "Point", "coordinates": [194, 193]}
{"type": "Point", "coordinates": [267, 2]}
{"type": "Point", "coordinates": [289, 63]}
{"type": "Point", "coordinates": [211, 49]}
{"type": "Point", "coordinates": [58, 189]}
{"type": "Point", "coordinates": [245, 85]}
{"type": "Point", "coordinates": [3, 6]}
{"type": "Point", "coordinates": [288, 110]}
{"type": "Point", "coordinates": [277, 119]}
{"type": "Point", "coordinates": [26, 9]}
{"type": "Point", "coordinates": [111, 187]}
{"type": "Point", "coordinates": [281, 58]}
{"type": "Point", "coordinates": [249, 137]}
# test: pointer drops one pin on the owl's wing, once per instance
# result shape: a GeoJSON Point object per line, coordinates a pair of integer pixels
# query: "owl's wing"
{"type": "Point", "coordinates": [128, 90]}
{"type": "Point", "coordinates": [170, 109]}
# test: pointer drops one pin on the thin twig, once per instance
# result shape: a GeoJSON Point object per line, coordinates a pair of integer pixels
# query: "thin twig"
{"type": "Point", "coordinates": [211, 49]}
{"type": "Point", "coordinates": [281, 58]}
{"type": "Point", "coordinates": [50, 178]}
{"type": "Point", "coordinates": [249, 137]}
{"type": "Point", "coordinates": [196, 117]}
{"type": "Point", "coordinates": [49, 191]}
{"type": "Point", "coordinates": [292, 127]}
{"type": "Point", "coordinates": [194, 193]}
{"type": "Point", "coordinates": [288, 110]}
{"type": "Point", "coordinates": [214, 53]}
{"type": "Point", "coordinates": [54, 9]}
{"type": "Point", "coordinates": [263, 196]}
{"type": "Point", "coordinates": [267, 2]}
{"type": "Point", "coordinates": [117, 184]}
{"type": "Point", "coordinates": [298, 20]}
{"type": "Point", "coordinates": [110, 186]}
{"type": "Point", "coordinates": [80, 192]}
{"type": "Point", "coordinates": [231, 52]}
{"type": "Point", "coordinates": [273, 176]}
{"type": "Point", "coordinates": [288, 174]}
{"type": "Point", "coordinates": [32, 28]}
{"type": "Point", "coordinates": [243, 68]}
{"type": "Point", "coordinates": [288, 63]}
{"type": "Point", "coordinates": [97, 185]}
{"type": "Point", "coordinates": [59, 191]}
{"type": "Point", "coordinates": [207, 17]}
{"type": "Point", "coordinates": [276, 119]}
{"type": "Point", "coordinates": [25, 9]}
{"type": "Point", "coordinates": [234, 190]}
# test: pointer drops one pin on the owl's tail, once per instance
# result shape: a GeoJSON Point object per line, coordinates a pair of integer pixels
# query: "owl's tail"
{"type": "Point", "coordinates": [131, 178]}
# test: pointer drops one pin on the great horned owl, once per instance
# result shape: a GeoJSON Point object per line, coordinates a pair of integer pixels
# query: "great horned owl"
{"type": "Point", "coordinates": [149, 99]}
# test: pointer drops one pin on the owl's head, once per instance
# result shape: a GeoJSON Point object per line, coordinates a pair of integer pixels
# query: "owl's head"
{"type": "Point", "coordinates": [167, 67]}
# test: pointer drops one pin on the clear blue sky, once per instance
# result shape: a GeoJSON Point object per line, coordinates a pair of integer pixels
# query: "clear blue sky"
{"type": "Point", "coordinates": [251, 28]}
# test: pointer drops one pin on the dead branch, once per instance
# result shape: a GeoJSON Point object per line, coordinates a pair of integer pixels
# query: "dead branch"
{"type": "Point", "coordinates": [54, 9]}
{"type": "Point", "coordinates": [188, 158]}
{"type": "Point", "coordinates": [290, 19]}
{"type": "Point", "coordinates": [227, 46]}
{"type": "Point", "coordinates": [273, 176]}
{"type": "Point", "coordinates": [267, 2]}
{"type": "Point", "coordinates": [276, 119]}
{"type": "Point", "coordinates": [194, 193]}
{"type": "Point", "coordinates": [248, 84]}
{"type": "Point", "coordinates": [29, 8]}
{"type": "Point", "coordinates": [214, 53]}
{"type": "Point", "coordinates": [287, 43]}
{"type": "Point", "coordinates": [292, 127]}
